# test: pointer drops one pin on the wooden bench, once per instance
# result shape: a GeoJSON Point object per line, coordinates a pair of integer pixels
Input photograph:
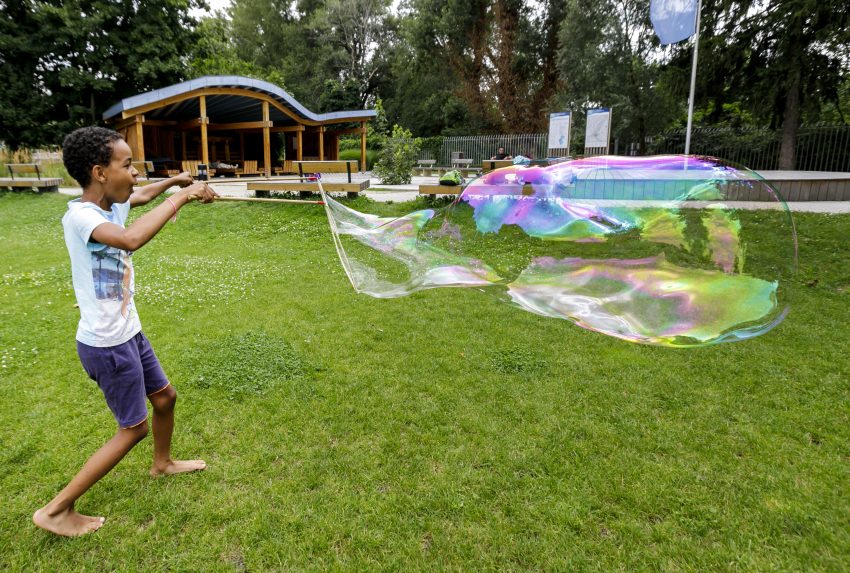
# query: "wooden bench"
{"type": "Point", "coordinates": [433, 190]}
{"type": "Point", "coordinates": [249, 168]}
{"type": "Point", "coordinates": [465, 167]}
{"type": "Point", "coordinates": [305, 186]}
{"type": "Point", "coordinates": [145, 169]}
{"type": "Point", "coordinates": [192, 168]}
{"type": "Point", "coordinates": [38, 182]}
{"type": "Point", "coordinates": [425, 166]}
{"type": "Point", "coordinates": [164, 169]}
{"type": "Point", "coordinates": [491, 164]}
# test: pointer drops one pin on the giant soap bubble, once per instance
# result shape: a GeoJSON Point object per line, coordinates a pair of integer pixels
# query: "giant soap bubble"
{"type": "Point", "coordinates": [657, 250]}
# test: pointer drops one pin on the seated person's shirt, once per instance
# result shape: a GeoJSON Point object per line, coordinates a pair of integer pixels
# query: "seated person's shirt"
{"type": "Point", "coordinates": [501, 156]}
{"type": "Point", "coordinates": [102, 276]}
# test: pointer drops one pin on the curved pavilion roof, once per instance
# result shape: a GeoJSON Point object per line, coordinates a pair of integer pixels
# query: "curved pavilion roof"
{"type": "Point", "coordinates": [234, 98]}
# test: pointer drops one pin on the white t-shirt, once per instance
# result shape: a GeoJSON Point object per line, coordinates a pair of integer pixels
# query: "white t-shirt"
{"type": "Point", "coordinates": [102, 275]}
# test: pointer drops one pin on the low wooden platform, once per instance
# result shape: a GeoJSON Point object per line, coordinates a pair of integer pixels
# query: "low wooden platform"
{"type": "Point", "coordinates": [809, 185]}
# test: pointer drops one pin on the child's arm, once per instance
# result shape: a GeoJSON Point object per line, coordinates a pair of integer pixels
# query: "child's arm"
{"type": "Point", "coordinates": [144, 195]}
{"type": "Point", "coordinates": [142, 230]}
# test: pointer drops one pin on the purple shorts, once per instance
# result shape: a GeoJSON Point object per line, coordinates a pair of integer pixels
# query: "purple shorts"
{"type": "Point", "coordinates": [127, 374]}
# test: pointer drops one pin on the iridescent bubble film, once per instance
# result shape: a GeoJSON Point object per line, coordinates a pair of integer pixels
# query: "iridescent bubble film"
{"type": "Point", "coordinates": [670, 250]}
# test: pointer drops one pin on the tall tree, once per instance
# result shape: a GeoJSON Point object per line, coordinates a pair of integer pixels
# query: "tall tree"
{"type": "Point", "coordinates": [24, 107]}
{"type": "Point", "coordinates": [359, 27]}
{"type": "Point", "coordinates": [606, 58]}
{"type": "Point", "coordinates": [790, 59]}
{"type": "Point", "coordinates": [84, 55]}
{"type": "Point", "coordinates": [500, 55]}
{"type": "Point", "coordinates": [215, 53]}
{"type": "Point", "coordinates": [320, 47]}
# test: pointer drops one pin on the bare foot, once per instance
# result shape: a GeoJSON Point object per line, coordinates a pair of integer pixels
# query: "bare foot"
{"type": "Point", "coordinates": [178, 467]}
{"type": "Point", "coordinates": [68, 523]}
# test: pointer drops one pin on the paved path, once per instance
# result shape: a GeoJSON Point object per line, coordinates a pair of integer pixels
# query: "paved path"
{"type": "Point", "coordinates": [409, 192]}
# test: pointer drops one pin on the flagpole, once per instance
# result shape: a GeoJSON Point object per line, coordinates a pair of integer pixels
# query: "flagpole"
{"type": "Point", "coordinates": [693, 83]}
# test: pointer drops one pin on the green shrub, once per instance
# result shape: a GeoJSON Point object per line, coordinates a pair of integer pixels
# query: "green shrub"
{"type": "Point", "coordinates": [371, 156]}
{"type": "Point", "coordinates": [399, 157]}
{"type": "Point", "coordinates": [349, 142]}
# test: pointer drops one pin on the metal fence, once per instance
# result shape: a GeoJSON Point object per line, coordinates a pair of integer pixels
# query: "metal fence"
{"type": "Point", "coordinates": [819, 147]}
{"type": "Point", "coordinates": [481, 147]}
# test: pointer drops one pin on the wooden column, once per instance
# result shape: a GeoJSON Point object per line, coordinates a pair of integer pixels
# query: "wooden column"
{"type": "Point", "coordinates": [183, 141]}
{"type": "Point", "coordinates": [363, 146]}
{"type": "Point", "coordinates": [267, 148]}
{"type": "Point", "coordinates": [139, 152]}
{"type": "Point", "coordinates": [298, 148]}
{"type": "Point", "coordinates": [321, 143]}
{"type": "Point", "coordinates": [205, 152]}
{"type": "Point", "coordinates": [336, 142]}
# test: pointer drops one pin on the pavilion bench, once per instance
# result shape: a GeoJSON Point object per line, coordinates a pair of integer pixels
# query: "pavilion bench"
{"type": "Point", "coordinates": [38, 182]}
{"type": "Point", "coordinates": [305, 186]}
{"type": "Point", "coordinates": [145, 169]}
{"type": "Point", "coordinates": [192, 167]}
{"type": "Point", "coordinates": [249, 169]}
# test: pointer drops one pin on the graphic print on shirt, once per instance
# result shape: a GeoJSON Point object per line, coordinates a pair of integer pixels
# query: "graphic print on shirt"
{"type": "Point", "coordinates": [112, 273]}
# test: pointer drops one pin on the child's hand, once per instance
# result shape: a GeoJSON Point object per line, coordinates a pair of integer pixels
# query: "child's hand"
{"type": "Point", "coordinates": [183, 179]}
{"type": "Point", "coordinates": [200, 191]}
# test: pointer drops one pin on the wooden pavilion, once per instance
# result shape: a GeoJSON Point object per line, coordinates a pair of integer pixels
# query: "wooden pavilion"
{"type": "Point", "coordinates": [231, 119]}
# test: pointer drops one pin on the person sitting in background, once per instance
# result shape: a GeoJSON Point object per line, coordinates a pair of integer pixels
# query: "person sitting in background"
{"type": "Point", "coordinates": [500, 154]}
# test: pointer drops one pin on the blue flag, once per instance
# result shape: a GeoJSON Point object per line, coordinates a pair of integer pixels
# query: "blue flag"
{"type": "Point", "coordinates": [673, 20]}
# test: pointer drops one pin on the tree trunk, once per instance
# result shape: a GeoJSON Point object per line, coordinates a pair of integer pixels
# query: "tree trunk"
{"type": "Point", "coordinates": [790, 122]}
{"type": "Point", "coordinates": [509, 90]}
{"type": "Point", "coordinates": [791, 112]}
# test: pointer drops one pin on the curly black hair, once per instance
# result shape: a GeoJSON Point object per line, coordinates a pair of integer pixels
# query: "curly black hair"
{"type": "Point", "coordinates": [86, 147]}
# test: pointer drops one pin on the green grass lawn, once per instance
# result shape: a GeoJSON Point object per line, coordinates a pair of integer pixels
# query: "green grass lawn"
{"type": "Point", "coordinates": [444, 431]}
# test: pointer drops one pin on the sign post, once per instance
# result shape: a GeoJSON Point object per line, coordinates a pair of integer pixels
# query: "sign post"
{"type": "Point", "coordinates": [559, 133]}
{"type": "Point", "coordinates": [598, 131]}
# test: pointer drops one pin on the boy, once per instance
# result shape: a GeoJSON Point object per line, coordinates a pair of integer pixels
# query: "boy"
{"type": "Point", "coordinates": [110, 343]}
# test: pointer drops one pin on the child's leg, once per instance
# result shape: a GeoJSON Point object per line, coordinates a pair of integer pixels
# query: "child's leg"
{"type": "Point", "coordinates": [162, 397]}
{"type": "Point", "coordinates": [118, 372]}
{"type": "Point", "coordinates": [59, 515]}
{"type": "Point", "coordinates": [163, 426]}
